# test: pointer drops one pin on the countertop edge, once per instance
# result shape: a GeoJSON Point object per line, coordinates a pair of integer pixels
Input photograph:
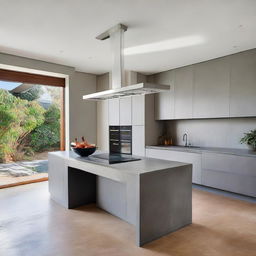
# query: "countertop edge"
{"type": "Point", "coordinates": [70, 156]}
{"type": "Point", "coordinates": [231, 151]}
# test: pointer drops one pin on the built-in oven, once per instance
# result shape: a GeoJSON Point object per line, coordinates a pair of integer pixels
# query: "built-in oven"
{"type": "Point", "coordinates": [114, 140]}
{"type": "Point", "coordinates": [120, 139]}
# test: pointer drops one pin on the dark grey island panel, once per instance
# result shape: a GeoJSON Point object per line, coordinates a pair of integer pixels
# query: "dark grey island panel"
{"type": "Point", "coordinates": [165, 205]}
{"type": "Point", "coordinates": [153, 195]}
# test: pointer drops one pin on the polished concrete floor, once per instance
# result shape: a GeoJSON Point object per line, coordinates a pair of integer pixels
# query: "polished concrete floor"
{"type": "Point", "coordinates": [33, 225]}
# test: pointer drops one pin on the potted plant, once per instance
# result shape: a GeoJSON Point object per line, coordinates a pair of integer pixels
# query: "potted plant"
{"type": "Point", "coordinates": [250, 139]}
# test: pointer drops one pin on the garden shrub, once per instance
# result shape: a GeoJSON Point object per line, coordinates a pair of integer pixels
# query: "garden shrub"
{"type": "Point", "coordinates": [18, 118]}
{"type": "Point", "coordinates": [47, 135]}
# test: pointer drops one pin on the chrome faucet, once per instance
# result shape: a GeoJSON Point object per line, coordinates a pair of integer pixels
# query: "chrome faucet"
{"type": "Point", "coordinates": [185, 138]}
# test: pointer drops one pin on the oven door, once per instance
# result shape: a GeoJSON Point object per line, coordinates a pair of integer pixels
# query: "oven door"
{"type": "Point", "coordinates": [126, 148]}
{"type": "Point", "coordinates": [114, 140]}
{"type": "Point", "coordinates": [114, 147]}
{"type": "Point", "coordinates": [126, 139]}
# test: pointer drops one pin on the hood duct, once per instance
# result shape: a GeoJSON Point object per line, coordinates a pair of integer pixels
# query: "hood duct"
{"type": "Point", "coordinates": [116, 36]}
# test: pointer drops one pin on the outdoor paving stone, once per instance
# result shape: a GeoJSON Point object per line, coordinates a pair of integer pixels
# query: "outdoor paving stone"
{"type": "Point", "coordinates": [24, 168]}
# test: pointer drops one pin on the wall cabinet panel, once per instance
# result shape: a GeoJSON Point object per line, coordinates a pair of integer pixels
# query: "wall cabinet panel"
{"type": "Point", "coordinates": [113, 112]}
{"type": "Point", "coordinates": [164, 101]}
{"type": "Point", "coordinates": [138, 140]}
{"type": "Point", "coordinates": [219, 88]}
{"type": "Point", "coordinates": [211, 89]}
{"type": "Point", "coordinates": [183, 94]}
{"type": "Point", "coordinates": [126, 111]}
{"type": "Point", "coordinates": [243, 84]}
{"type": "Point", "coordinates": [138, 110]}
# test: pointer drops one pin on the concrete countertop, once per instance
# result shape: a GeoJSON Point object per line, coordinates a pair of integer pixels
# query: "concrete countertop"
{"type": "Point", "coordinates": [144, 165]}
{"type": "Point", "coordinates": [230, 151]}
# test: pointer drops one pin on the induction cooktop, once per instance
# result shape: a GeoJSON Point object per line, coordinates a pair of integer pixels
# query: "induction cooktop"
{"type": "Point", "coordinates": [114, 158]}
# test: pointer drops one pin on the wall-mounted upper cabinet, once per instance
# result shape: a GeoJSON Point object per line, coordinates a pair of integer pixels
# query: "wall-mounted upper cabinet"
{"type": "Point", "coordinates": [138, 110]}
{"type": "Point", "coordinates": [243, 84]}
{"type": "Point", "coordinates": [126, 110]}
{"type": "Point", "coordinates": [223, 87]}
{"type": "Point", "coordinates": [114, 111]}
{"type": "Point", "coordinates": [211, 89]}
{"type": "Point", "coordinates": [164, 102]}
{"type": "Point", "coordinates": [183, 98]}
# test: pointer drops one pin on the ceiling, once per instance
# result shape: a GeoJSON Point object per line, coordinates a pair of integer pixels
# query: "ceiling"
{"type": "Point", "coordinates": [176, 32]}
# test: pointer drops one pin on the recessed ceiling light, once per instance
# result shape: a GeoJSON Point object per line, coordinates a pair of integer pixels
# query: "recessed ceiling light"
{"type": "Point", "coordinates": [165, 45]}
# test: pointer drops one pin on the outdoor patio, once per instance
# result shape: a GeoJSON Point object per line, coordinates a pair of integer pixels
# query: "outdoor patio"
{"type": "Point", "coordinates": [23, 172]}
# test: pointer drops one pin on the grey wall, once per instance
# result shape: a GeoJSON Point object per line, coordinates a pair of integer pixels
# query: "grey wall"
{"type": "Point", "coordinates": [83, 121]}
{"type": "Point", "coordinates": [103, 82]}
{"type": "Point", "coordinates": [211, 132]}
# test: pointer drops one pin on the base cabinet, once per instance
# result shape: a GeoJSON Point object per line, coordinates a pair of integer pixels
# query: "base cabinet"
{"type": "Point", "coordinates": [232, 173]}
{"type": "Point", "coordinates": [229, 172]}
{"type": "Point", "coordinates": [185, 157]}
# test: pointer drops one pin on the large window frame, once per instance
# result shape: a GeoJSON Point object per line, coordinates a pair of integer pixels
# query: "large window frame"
{"type": "Point", "coordinates": [23, 77]}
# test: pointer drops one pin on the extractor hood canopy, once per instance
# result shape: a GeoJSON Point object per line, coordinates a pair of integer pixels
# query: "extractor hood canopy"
{"type": "Point", "coordinates": [115, 34]}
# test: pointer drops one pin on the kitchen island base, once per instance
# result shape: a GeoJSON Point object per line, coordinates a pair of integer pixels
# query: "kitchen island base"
{"type": "Point", "coordinates": [153, 195]}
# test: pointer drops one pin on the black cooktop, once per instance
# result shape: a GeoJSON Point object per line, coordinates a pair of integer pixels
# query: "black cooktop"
{"type": "Point", "coordinates": [114, 158]}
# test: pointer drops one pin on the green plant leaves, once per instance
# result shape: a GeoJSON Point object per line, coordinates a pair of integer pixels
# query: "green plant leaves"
{"type": "Point", "coordinates": [18, 118]}
{"type": "Point", "coordinates": [250, 138]}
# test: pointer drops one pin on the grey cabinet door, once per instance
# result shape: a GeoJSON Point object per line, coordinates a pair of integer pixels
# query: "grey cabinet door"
{"type": "Point", "coordinates": [243, 84]}
{"type": "Point", "coordinates": [185, 157]}
{"type": "Point", "coordinates": [138, 140]}
{"type": "Point", "coordinates": [211, 89]}
{"type": "Point", "coordinates": [114, 112]}
{"type": "Point", "coordinates": [164, 102]}
{"type": "Point", "coordinates": [126, 111]}
{"type": "Point", "coordinates": [229, 172]}
{"type": "Point", "coordinates": [183, 98]}
{"type": "Point", "coordinates": [138, 110]}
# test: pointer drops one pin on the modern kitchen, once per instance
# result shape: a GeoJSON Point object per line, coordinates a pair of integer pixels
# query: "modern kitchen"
{"type": "Point", "coordinates": [159, 129]}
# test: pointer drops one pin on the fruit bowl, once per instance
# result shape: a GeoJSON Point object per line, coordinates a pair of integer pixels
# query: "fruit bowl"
{"type": "Point", "coordinates": [84, 151]}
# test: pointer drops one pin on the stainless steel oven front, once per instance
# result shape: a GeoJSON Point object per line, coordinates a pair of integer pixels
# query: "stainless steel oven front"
{"type": "Point", "coordinates": [120, 139]}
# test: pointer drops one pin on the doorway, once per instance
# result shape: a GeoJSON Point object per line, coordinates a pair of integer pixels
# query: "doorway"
{"type": "Point", "coordinates": [31, 125]}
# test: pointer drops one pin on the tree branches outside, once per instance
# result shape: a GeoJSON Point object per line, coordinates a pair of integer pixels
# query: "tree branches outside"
{"type": "Point", "coordinates": [25, 126]}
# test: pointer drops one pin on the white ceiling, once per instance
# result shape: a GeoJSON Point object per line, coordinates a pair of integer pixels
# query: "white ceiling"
{"type": "Point", "coordinates": [64, 31]}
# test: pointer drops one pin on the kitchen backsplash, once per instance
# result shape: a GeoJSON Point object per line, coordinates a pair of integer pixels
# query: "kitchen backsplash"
{"type": "Point", "coordinates": [211, 132]}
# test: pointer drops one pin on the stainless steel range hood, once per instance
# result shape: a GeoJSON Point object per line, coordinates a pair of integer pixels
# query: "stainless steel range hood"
{"type": "Point", "coordinates": [116, 35]}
